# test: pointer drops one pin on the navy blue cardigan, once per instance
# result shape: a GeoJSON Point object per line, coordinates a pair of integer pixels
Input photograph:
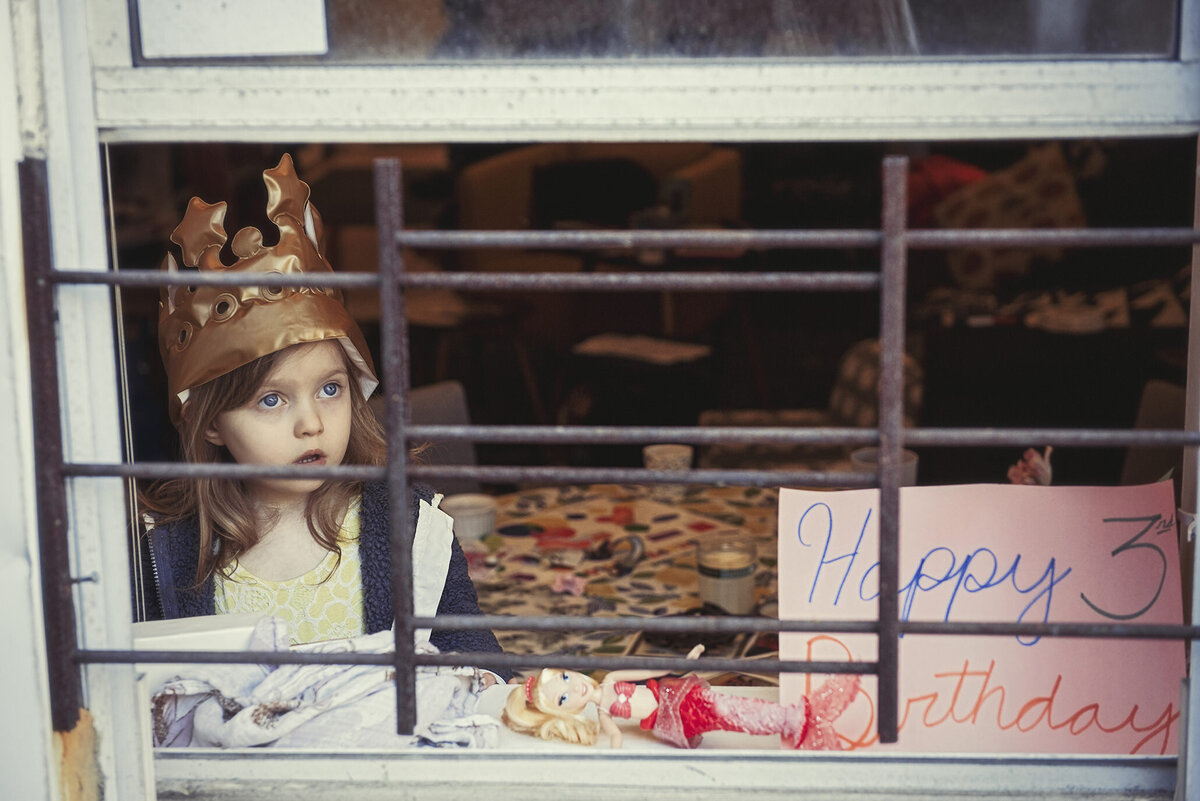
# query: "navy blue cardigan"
{"type": "Point", "coordinates": [173, 556]}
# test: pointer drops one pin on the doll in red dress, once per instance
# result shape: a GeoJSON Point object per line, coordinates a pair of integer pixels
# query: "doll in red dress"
{"type": "Point", "coordinates": [678, 710]}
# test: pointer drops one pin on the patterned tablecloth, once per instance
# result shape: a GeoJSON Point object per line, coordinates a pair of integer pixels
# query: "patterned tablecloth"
{"type": "Point", "coordinates": [557, 551]}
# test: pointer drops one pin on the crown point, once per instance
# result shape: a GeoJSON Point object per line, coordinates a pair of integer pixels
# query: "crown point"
{"type": "Point", "coordinates": [312, 226]}
{"type": "Point", "coordinates": [247, 242]}
{"type": "Point", "coordinates": [202, 227]}
{"type": "Point", "coordinates": [167, 294]}
{"type": "Point", "coordinates": [286, 193]}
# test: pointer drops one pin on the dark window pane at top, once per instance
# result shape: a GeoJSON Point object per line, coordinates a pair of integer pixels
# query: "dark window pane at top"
{"type": "Point", "coordinates": [396, 31]}
{"type": "Point", "coordinates": [1134, 28]}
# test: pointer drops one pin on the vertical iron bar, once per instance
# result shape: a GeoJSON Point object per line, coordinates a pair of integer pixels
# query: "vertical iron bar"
{"type": "Point", "coordinates": [41, 318]}
{"type": "Point", "coordinates": [389, 219]}
{"type": "Point", "coordinates": [1190, 486]}
{"type": "Point", "coordinates": [1189, 752]}
{"type": "Point", "coordinates": [1187, 783]}
{"type": "Point", "coordinates": [891, 413]}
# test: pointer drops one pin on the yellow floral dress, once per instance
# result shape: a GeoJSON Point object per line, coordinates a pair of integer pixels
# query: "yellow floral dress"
{"type": "Point", "coordinates": [326, 603]}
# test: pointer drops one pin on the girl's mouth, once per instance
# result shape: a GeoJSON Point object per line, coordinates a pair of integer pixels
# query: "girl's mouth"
{"type": "Point", "coordinates": [312, 457]}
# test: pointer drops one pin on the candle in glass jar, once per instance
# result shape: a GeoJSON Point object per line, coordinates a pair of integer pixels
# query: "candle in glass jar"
{"type": "Point", "coordinates": [725, 566]}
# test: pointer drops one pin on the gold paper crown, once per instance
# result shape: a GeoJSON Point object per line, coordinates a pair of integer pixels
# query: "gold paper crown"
{"type": "Point", "coordinates": [206, 331]}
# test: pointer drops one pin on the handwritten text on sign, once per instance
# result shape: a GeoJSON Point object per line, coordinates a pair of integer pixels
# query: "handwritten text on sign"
{"type": "Point", "coordinates": [994, 552]}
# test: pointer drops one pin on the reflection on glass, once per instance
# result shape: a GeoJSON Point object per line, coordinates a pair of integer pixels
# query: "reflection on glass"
{"type": "Point", "coordinates": [398, 31]}
{"type": "Point", "coordinates": [1129, 28]}
{"type": "Point", "coordinates": [364, 30]}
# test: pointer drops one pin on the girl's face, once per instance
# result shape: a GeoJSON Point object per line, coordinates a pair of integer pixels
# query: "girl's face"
{"type": "Point", "coordinates": [299, 415]}
{"type": "Point", "coordinates": [565, 690]}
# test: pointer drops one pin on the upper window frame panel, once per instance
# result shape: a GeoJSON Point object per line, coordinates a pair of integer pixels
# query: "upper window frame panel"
{"type": "Point", "coordinates": [717, 102]}
{"type": "Point", "coordinates": [698, 100]}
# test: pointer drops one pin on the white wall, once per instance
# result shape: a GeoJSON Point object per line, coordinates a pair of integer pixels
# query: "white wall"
{"type": "Point", "coordinates": [25, 753]}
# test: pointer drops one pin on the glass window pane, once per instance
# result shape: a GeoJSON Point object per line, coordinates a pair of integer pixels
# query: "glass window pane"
{"type": "Point", "coordinates": [408, 31]}
{"type": "Point", "coordinates": [1135, 28]}
{"type": "Point", "coordinates": [526, 29]}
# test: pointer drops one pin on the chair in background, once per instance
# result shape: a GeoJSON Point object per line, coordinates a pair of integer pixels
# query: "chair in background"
{"type": "Point", "coordinates": [443, 403]}
{"type": "Point", "coordinates": [1162, 406]}
{"type": "Point", "coordinates": [853, 402]}
{"type": "Point", "coordinates": [582, 186]}
{"type": "Point", "coordinates": [555, 185]}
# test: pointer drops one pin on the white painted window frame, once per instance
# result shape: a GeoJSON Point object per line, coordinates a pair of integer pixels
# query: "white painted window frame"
{"type": "Point", "coordinates": [734, 100]}
{"type": "Point", "coordinates": [91, 94]}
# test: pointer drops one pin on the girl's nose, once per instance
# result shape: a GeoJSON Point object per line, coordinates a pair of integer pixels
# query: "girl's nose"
{"type": "Point", "coordinates": [308, 421]}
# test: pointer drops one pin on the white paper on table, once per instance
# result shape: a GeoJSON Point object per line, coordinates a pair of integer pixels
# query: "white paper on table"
{"type": "Point", "coordinates": [642, 348]}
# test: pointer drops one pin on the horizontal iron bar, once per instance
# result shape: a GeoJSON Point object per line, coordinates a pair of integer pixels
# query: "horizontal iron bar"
{"type": "Point", "coordinates": [153, 278]}
{"type": "Point", "coordinates": [794, 238]}
{"type": "Point", "coordinates": [1090, 438]}
{"type": "Point", "coordinates": [704, 624]}
{"type": "Point", "coordinates": [545, 282]}
{"type": "Point", "coordinates": [549, 475]}
{"type": "Point", "coordinates": [617, 435]}
{"type": "Point", "coordinates": [699, 625]}
{"type": "Point", "coordinates": [632, 282]}
{"type": "Point", "coordinates": [1072, 437]}
{"type": "Point", "coordinates": [641, 238]}
{"type": "Point", "coordinates": [724, 625]}
{"type": "Point", "coordinates": [480, 659]}
{"type": "Point", "coordinates": [157, 470]}
{"type": "Point", "coordinates": [707, 435]}
{"type": "Point", "coordinates": [680, 664]}
{"type": "Point", "coordinates": [150, 657]}
{"type": "Point", "coordinates": [697, 281]}
{"type": "Point", "coordinates": [926, 239]}
{"type": "Point", "coordinates": [1120, 631]}
{"type": "Point", "coordinates": [637, 475]}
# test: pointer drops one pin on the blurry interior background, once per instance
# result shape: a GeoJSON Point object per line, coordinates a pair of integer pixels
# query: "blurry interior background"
{"type": "Point", "coordinates": [1001, 337]}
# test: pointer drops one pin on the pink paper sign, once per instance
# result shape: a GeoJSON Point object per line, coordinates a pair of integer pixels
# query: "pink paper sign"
{"type": "Point", "coordinates": [994, 552]}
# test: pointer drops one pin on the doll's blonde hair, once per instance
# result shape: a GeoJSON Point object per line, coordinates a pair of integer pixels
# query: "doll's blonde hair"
{"type": "Point", "coordinates": [527, 712]}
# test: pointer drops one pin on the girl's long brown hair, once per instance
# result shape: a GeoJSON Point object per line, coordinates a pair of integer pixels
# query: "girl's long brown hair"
{"type": "Point", "coordinates": [225, 514]}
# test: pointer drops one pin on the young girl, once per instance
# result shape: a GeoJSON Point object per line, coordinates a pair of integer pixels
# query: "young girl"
{"type": "Point", "coordinates": [551, 703]}
{"type": "Point", "coordinates": [281, 376]}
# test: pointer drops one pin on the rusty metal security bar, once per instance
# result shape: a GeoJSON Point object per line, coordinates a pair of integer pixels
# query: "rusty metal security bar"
{"type": "Point", "coordinates": [53, 549]}
{"type": "Point", "coordinates": [893, 240]}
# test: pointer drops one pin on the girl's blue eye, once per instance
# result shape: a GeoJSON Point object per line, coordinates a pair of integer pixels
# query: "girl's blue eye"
{"type": "Point", "coordinates": [331, 389]}
{"type": "Point", "coordinates": [566, 677]}
{"type": "Point", "coordinates": [270, 401]}
{"type": "Point", "coordinates": [562, 699]}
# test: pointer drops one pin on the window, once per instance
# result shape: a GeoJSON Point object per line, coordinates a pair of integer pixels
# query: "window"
{"type": "Point", "coordinates": [613, 30]}
{"type": "Point", "coordinates": [820, 102]}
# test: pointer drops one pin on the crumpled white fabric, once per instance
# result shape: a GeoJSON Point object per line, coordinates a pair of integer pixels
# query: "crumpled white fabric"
{"type": "Point", "coordinates": [318, 706]}
{"type": "Point", "coordinates": [432, 543]}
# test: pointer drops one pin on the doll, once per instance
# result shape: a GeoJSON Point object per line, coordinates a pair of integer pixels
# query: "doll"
{"type": "Point", "coordinates": [678, 710]}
